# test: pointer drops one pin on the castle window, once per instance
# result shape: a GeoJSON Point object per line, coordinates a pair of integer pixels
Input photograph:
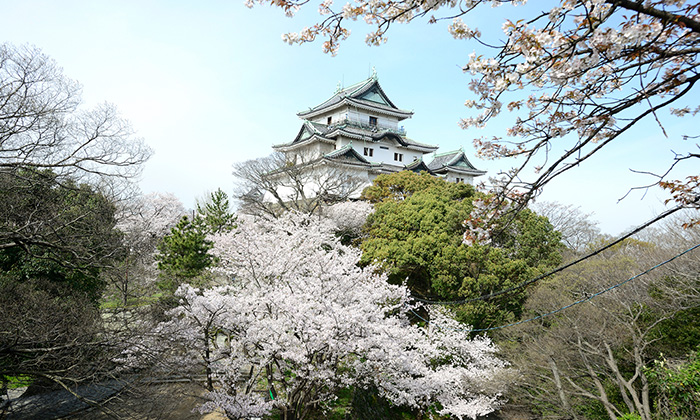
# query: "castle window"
{"type": "Point", "coordinates": [330, 120]}
{"type": "Point", "coordinates": [369, 151]}
{"type": "Point", "coordinates": [398, 157]}
{"type": "Point", "coordinates": [373, 121]}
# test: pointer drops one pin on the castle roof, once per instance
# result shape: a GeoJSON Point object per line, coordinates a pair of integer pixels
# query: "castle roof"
{"type": "Point", "coordinates": [418, 166]}
{"type": "Point", "coordinates": [455, 161]}
{"type": "Point", "coordinates": [403, 141]}
{"type": "Point", "coordinates": [367, 95]}
{"type": "Point", "coordinates": [347, 155]}
{"type": "Point", "coordinates": [311, 131]}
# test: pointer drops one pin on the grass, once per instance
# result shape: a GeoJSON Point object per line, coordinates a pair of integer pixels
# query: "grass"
{"type": "Point", "coordinates": [134, 302]}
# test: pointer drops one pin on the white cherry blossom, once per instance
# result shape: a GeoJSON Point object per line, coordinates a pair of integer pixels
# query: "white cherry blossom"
{"type": "Point", "coordinates": [300, 320]}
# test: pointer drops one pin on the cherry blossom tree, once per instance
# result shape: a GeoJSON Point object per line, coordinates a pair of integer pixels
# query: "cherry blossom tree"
{"type": "Point", "coordinates": [575, 77]}
{"type": "Point", "coordinates": [348, 218]}
{"type": "Point", "coordinates": [144, 221]}
{"type": "Point", "coordinates": [299, 321]}
{"type": "Point", "coordinates": [150, 216]}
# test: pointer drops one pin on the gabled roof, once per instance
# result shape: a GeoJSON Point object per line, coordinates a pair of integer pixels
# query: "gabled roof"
{"type": "Point", "coordinates": [308, 132]}
{"type": "Point", "coordinates": [346, 154]}
{"type": "Point", "coordinates": [403, 141]}
{"type": "Point", "coordinates": [367, 95]}
{"type": "Point", "coordinates": [455, 161]}
{"type": "Point", "coordinates": [418, 166]}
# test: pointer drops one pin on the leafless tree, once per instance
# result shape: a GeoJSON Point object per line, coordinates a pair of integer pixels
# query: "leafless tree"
{"type": "Point", "coordinates": [43, 127]}
{"type": "Point", "coordinates": [45, 136]}
{"type": "Point", "coordinates": [275, 184]}
{"type": "Point", "coordinates": [576, 228]}
{"type": "Point", "coordinates": [599, 350]}
{"type": "Point", "coordinates": [62, 168]}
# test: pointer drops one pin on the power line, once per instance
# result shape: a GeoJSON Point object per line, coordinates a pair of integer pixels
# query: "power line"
{"type": "Point", "coordinates": [556, 270]}
{"type": "Point", "coordinates": [586, 299]}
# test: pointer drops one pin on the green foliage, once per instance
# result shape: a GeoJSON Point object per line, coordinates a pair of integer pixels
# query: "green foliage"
{"type": "Point", "coordinates": [401, 185]}
{"type": "Point", "coordinates": [679, 335]}
{"type": "Point", "coordinates": [183, 255]}
{"type": "Point", "coordinates": [20, 381]}
{"type": "Point", "coordinates": [677, 388]}
{"type": "Point", "coordinates": [415, 234]}
{"type": "Point", "coordinates": [56, 231]}
{"type": "Point", "coordinates": [215, 214]}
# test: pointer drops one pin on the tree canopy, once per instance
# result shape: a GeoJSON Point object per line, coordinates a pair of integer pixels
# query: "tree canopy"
{"type": "Point", "coordinates": [183, 254]}
{"type": "Point", "coordinates": [596, 358]}
{"type": "Point", "coordinates": [62, 234]}
{"type": "Point", "coordinates": [51, 278]}
{"type": "Point", "coordinates": [302, 321]}
{"type": "Point", "coordinates": [61, 169]}
{"type": "Point", "coordinates": [416, 234]}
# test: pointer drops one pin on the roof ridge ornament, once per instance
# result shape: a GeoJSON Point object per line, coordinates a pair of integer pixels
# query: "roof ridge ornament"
{"type": "Point", "coordinates": [339, 87]}
{"type": "Point", "coordinates": [374, 73]}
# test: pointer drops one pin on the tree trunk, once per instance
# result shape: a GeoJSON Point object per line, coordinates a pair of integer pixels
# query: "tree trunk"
{"type": "Point", "coordinates": [560, 389]}
{"type": "Point", "coordinates": [207, 363]}
{"type": "Point", "coordinates": [626, 390]}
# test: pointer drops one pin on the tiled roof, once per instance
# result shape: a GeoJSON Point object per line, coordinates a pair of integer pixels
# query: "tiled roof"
{"type": "Point", "coordinates": [351, 130]}
{"type": "Point", "coordinates": [346, 153]}
{"type": "Point", "coordinates": [418, 166]}
{"type": "Point", "coordinates": [367, 93]}
{"type": "Point", "coordinates": [307, 130]}
{"type": "Point", "coordinates": [385, 168]}
{"type": "Point", "coordinates": [402, 140]}
{"type": "Point", "coordinates": [454, 160]}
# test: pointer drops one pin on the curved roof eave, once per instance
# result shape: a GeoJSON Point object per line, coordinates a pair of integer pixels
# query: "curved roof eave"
{"type": "Point", "coordinates": [349, 134]}
{"type": "Point", "coordinates": [285, 147]}
{"type": "Point", "coordinates": [459, 170]}
{"type": "Point", "coordinates": [373, 106]}
{"type": "Point", "coordinates": [366, 105]}
{"type": "Point", "coordinates": [345, 150]}
{"type": "Point", "coordinates": [404, 142]}
{"type": "Point", "coordinates": [337, 162]}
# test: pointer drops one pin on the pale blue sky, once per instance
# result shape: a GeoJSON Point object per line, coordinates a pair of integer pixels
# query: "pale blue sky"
{"type": "Point", "coordinates": [207, 84]}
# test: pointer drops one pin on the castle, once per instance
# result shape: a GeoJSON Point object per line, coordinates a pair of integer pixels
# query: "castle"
{"type": "Point", "coordinates": [356, 133]}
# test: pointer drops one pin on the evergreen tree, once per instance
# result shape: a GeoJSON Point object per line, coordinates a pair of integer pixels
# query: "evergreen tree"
{"type": "Point", "coordinates": [215, 214]}
{"type": "Point", "coordinates": [183, 255]}
{"type": "Point", "coordinates": [416, 234]}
